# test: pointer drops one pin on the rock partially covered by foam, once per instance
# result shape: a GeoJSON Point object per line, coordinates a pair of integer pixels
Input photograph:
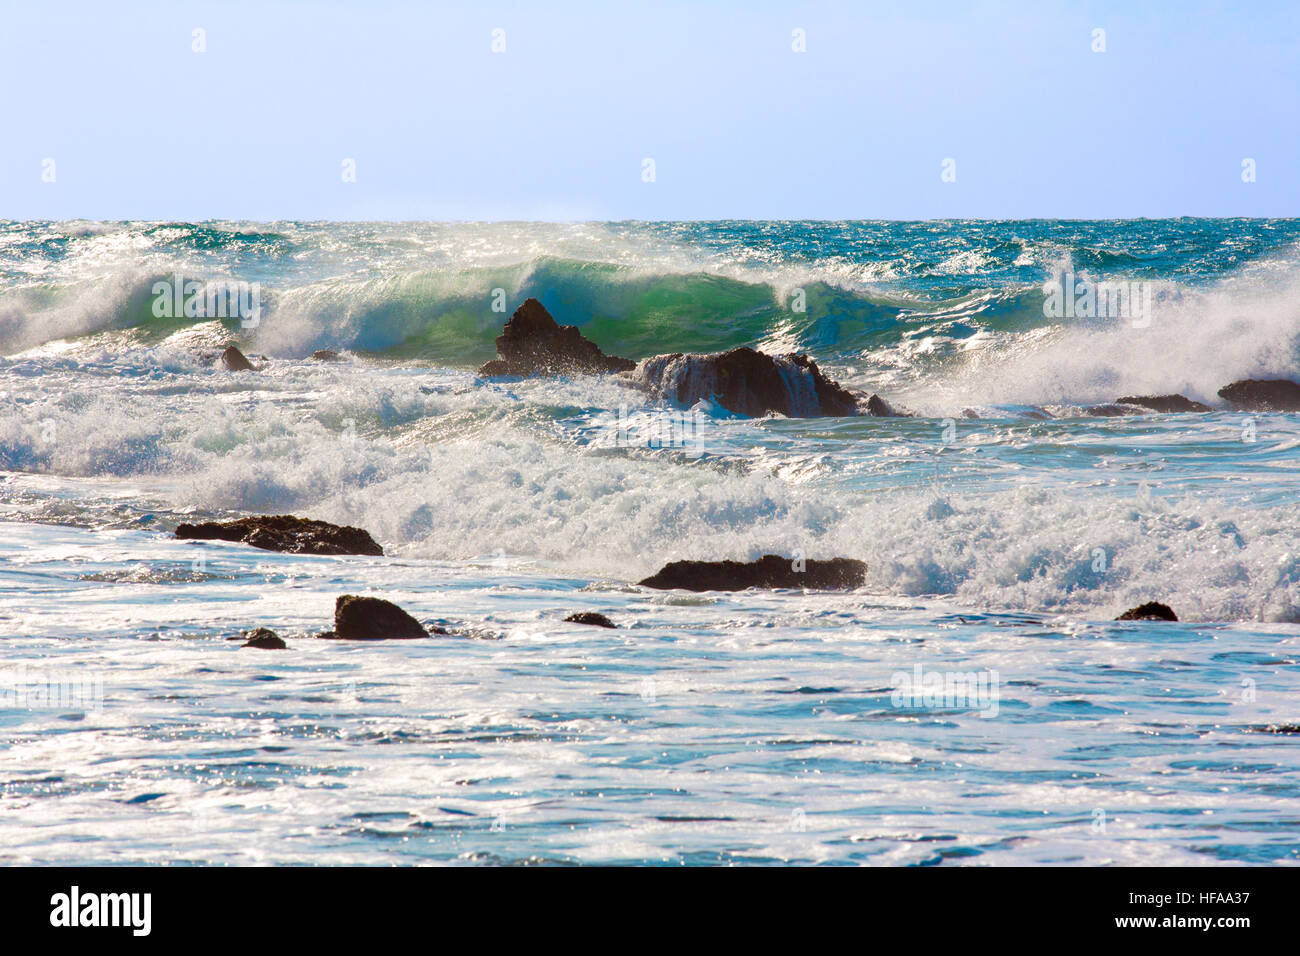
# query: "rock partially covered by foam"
{"type": "Point", "coordinates": [880, 408]}
{"type": "Point", "coordinates": [235, 360]}
{"type": "Point", "coordinates": [594, 618]}
{"type": "Point", "coordinates": [533, 343]}
{"type": "Point", "coordinates": [1164, 403]}
{"type": "Point", "coordinates": [285, 533]}
{"type": "Point", "coordinates": [264, 638]}
{"type": "Point", "coordinates": [1263, 395]}
{"type": "Point", "coordinates": [769, 571]}
{"type": "Point", "coordinates": [747, 382]}
{"type": "Point", "coordinates": [1151, 611]}
{"type": "Point", "coordinates": [361, 618]}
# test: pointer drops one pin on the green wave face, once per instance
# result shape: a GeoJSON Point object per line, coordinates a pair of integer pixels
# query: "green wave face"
{"type": "Point", "coordinates": [441, 292]}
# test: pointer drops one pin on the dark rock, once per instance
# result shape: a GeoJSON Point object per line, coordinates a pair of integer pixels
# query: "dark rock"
{"type": "Point", "coordinates": [880, 408]}
{"type": "Point", "coordinates": [1151, 611]}
{"type": "Point", "coordinates": [747, 382]}
{"type": "Point", "coordinates": [1276, 728]}
{"type": "Point", "coordinates": [285, 533]}
{"type": "Point", "coordinates": [590, 617]}
{"type": "Point", "coordinates": [1164, 403]}
{"type": "Point", "coordinates": [360, 618]}
{"type": "Point", "coordinates": [769, 571]}
{"type": "Point", "coordinates": [1263, 395]}
{"type": "Point", "coordinates": [265, 638]}
{"type": "Point", "coordinates": [533, 343]}
{"type": "Point", "coordinates": [325, 355]}
{"type": "Point", "coordinates": [234, 360]}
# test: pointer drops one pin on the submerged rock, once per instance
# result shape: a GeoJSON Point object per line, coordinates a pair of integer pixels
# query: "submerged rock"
{"type": "Point", "coordinates": [362, 618]}
{"type": "Point", "coordinates": [1263, 395]}
{"type": "Point", "coordinates": [285, 533]}
{"type": "Point", "coordinates": [264, 638]}
{"type": "Point", "coordinates": [747, 382]}
{"type": "Point", "coordinates": [593, 618]}
{"type": "Point", "coordinates": [1164, 403]}
{"type": "Point", "coordinates": [325, 355]}
{"type": "Point", "coordinates": [1275, 728]}
{"type": "Point", "coordinates": [1151, 611]}
{"type": "Point", "coordinates": [533, 343]}
{"type": "Point", "coordinates": [234, 360]}
{"type": "Point", "coordinates": [1109, 411]}
{"type": "Point", "coordinates": [769, 571]}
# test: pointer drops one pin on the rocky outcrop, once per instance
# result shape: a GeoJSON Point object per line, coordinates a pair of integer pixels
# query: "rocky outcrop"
{"type": "Point", "coordinates": [743, 381]}
{"type": "Point", "coordinates": [769, 571]}
{"type": "Point", "coordinates": [362, 618]}
{"type": "Point", "coordinates": [593, 618]}
{"type": "Point", "coordinates": [1263, 395]}
{"type": "Point", "coordinates": [1151, 611]}
{"type": "Point", "coordinates": [285, 533]}
{"type": "Point", "coordinates": [234, 360]}
{"type": "Point", "coordinates": [747, 382]}
{"type": "Point", "coordinates": [1164, 403]}
{"type": "Point", "coordinates": [264, 638]}
{"type": "Point", "coordinates": [325, 355]}
{"type": "Point", "coordinates": [533, 343]}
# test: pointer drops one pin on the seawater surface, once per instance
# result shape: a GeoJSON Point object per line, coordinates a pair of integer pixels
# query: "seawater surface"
{"type": "Point", "coordinates": [1004, 529]}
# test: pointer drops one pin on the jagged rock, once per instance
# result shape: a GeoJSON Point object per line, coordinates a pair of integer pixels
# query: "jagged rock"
{"type": "Point", "coordinates": [264, 638]}
{"type": "Point", "coordinates": [533, 343]}
{"type": "Point", "coordinates": [1151, 611]}
{"type": "Point", "coordinates": [1263, 395]}
{"type": "Point", "coordinates": [1108, 411]}
{"type": "Point", "coordinates": [769, 571]}
{"type": "Point", "coordinates": [362, 618]}
{"type": "Point", "coordinates": [594, 618]}
{"type": "Point", "coordinates": [234, 360]}
{"type": "Point", "coordinates": [1164, 403]}
{"type": "Point", "coordinates": [325, 355]}
{"type": "Point", "coordinates": [285, 533]}
{"type": "Point", "coordinates": [747, 382]}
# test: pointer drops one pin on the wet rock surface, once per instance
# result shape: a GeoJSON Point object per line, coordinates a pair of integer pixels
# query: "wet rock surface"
{"type": "Point", "coordinates": [769, 571]}
{"type": "Point", "coordinates": [365, 618]}
{"type": "Point", "coordinates": [593, 618]}
{"type": "Point", "coordinates": [1164, 404]}
{"type": "Point", "coordinates": [1151, 611]}
{"type": "Point", "coordinates": [533, 343]}
{"type": "Point", "coordinates": [1263, 395]}
{"type": "Point", "coordinates": [285, 533]}
{"type": "Point", "coordinates": [235, 360]}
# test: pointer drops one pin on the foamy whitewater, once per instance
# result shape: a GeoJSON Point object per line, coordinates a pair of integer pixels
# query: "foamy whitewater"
{"type": "Point", "coordinates": [1003, 528]}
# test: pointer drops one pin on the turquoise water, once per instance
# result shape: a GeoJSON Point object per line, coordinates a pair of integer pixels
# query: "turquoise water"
{"type": "Point", "coordinates": [1004, 527]}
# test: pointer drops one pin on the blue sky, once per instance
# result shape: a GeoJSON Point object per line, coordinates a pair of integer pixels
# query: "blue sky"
{"type": "Point", "coordinates": [738, 124]}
